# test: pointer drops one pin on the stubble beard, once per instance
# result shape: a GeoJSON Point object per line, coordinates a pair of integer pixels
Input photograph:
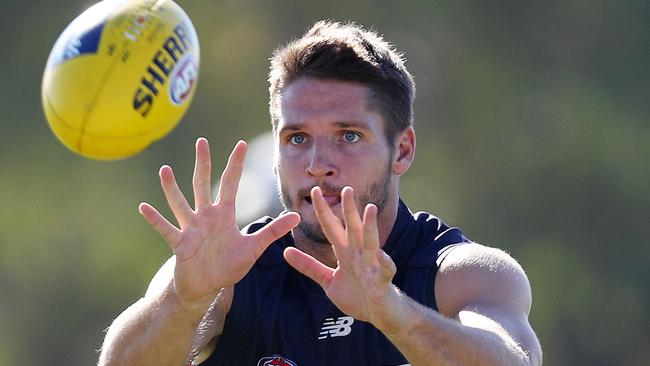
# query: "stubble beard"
{"type": "Point", "coordinates": [377, 193]}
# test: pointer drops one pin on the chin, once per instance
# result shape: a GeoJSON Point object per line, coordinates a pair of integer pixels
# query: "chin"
{"type": "Point", "coordinates": [313, 232]}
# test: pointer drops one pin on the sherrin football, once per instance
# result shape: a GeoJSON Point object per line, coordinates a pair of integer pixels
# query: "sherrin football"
{"type": "Point", "coordinates": [120, 77]}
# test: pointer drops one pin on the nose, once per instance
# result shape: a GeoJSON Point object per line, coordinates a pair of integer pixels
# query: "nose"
{"type": "Point", "coordinates": [320, 162]}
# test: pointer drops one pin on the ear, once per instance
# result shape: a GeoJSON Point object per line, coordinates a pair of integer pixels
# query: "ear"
{"type": "Point", "coordinates": [404, 151]}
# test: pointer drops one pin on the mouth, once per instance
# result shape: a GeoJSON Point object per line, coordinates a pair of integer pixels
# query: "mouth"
{"type": "Point", "coordinates": [332, 199]}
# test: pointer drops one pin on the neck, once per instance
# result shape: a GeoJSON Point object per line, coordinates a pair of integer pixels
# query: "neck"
{"type": "Point", "coordinates": [324, 252]}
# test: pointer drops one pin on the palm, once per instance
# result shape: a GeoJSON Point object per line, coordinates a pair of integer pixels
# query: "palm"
{"type": "Point", "coordinates": [211, 252]}
{"type": "Point", "coordinates": [205, 257]}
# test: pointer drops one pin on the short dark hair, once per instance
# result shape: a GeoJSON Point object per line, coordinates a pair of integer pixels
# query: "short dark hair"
{"type": "Point", "coordinates": [347, 52]}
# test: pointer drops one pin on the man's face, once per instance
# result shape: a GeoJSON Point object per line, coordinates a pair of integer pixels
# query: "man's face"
{"type": "Point", "coordinates": [326, 136]}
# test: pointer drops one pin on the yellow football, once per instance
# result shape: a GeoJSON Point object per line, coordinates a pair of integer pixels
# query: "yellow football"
{"type": "Point", "coordinates": [120, 77]}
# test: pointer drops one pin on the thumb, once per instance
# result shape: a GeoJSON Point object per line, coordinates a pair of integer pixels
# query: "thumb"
{"type": "Point", "coordinates": [309, 266]}
{"type": "Point", "coordinates": [276, 229]}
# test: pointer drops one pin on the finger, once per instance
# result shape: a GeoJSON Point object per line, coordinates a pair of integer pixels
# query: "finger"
{"type": "Point", "coordinates": [387, 267]}
{"type": "Point", "coordinates": [175, 198]}
{"type": "Point", "coordinates": [370, 230]}
{"type": "Point", "coordinates": [202, 171]}
{"type": "Point", "coordinates": [232, 174]}
{"type": "Point", "coordinates": [353, 223]}
{"type": "Point", "coordinates": [309, 266]}
{"type": "Point", "coordinates": [332, 227]}
{"type": "Point", "coordinates": [275, 230]}
{"type": "Point", "coordinates": [169, 232]}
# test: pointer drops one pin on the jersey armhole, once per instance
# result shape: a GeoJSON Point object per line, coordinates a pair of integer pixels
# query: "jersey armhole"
{"type": "Point", "coordinates": [442, 253]}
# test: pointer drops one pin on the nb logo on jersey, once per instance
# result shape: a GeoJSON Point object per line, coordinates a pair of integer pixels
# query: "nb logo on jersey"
{"type": "Point", "coordinates": [339, 328]}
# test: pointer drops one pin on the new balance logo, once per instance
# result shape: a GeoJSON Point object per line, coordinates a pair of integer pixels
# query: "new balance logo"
{"type": "Point", "coordinates": [339, 328]}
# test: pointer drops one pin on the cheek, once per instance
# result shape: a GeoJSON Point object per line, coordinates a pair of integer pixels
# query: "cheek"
{"type": "Point", "coordinates": [367, 160]}
{"type": "Point", "coordinates": [289, 161]}
{"type": "Point", "coordinates": [287, 172]}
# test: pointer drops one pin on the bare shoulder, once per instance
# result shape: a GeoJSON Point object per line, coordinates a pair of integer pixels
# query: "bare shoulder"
{"type": "Point", "coordinates": [485, 288]}
{"type": "Point", "coordinates": [474, 273]}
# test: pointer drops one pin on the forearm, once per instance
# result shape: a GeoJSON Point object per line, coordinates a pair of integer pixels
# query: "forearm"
{"type": "Point", "coordinates": [153, 331]}
{"type": "Point", "coordinates": [425, 338]}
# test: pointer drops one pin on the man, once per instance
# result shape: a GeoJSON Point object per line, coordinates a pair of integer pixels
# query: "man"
{"type": "Point", "coordinates": [347, 275]}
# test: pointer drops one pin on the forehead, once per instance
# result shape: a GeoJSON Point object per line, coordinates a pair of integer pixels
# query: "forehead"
{"type": "Point", "coordinates": [314, 100]}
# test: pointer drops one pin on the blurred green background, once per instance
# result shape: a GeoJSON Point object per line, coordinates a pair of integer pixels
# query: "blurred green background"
{"type": "Point", "coordinates": [533, 136]}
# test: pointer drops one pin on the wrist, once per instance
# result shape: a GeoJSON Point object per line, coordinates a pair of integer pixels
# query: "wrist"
{"type": "Point", "coordinates": [392, 317]}
{"type": "Point", "coordinates": [193, 309]}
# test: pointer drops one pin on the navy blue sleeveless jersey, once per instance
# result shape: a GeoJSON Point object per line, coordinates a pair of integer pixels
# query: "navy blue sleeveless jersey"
{"type": "Point", "coordinates": [280, 317]}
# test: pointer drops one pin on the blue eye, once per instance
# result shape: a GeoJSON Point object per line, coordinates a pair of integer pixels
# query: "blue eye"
{"type": "Point", "coordinates": [297, 139]}
{"type": "Point", "coordinates": [351, 137]}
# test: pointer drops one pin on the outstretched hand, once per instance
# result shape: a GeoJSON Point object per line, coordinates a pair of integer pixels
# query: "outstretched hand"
{"type": "Point", "coordinates": [361, 283]}
{"type": "Point", "coordinates": [211, 252]}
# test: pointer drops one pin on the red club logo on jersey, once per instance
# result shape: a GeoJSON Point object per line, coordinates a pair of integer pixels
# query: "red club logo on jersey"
{"type": "Point", "coordinates": [275, 360]}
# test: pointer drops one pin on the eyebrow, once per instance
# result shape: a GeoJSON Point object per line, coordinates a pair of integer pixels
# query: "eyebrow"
{"type": "Point", "coordinates": [353, 124]}
{"type": "Point", "coordinates": [292, 127]}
